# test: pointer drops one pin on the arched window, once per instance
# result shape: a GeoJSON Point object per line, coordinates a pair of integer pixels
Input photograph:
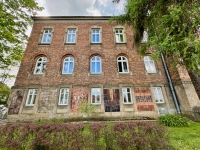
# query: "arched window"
{"type": "Point", "coordinates": [68, 65]}
{"type": "Point", "coordinates": [122, 64]}
{"type": "Point", "coordinates": [149, 64]}
{"type": "Point", "coordinates": [40, 65]}
{"type": "Point", "coordinates": [95, 65]}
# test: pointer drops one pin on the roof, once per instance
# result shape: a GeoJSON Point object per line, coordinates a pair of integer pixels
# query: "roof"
{"type": "Point", "coordinates": [46, 18]}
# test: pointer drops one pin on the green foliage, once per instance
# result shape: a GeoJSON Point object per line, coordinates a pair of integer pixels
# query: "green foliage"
{"type": "Point", "coordinates": [173, 28]}
{"type": "Point", "coordinates": [87, 108]}
{"type": "Point", "coordinates": [53, 120]}
{"type": "Point", "coordinates": [174, 120]}
{"type": "Point", "coordinates": [14, 21]}
{"type": "Point", "coordinates": [4, 93]}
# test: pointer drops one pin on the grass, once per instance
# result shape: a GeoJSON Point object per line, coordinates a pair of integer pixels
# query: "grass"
{"type": "Point", "coordinates": [185, 138]}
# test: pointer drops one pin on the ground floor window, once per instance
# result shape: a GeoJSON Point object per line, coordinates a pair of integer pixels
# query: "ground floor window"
{"type": "Point", "coordinates": [30, 101]}
{"type": "Point", "coordinates": [64, 96]}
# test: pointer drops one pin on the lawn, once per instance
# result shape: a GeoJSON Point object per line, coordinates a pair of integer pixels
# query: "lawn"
{"type": "Point", "coordinates": [185, 138]}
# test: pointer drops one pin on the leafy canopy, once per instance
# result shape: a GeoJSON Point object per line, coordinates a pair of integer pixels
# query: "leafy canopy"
{"type": "Point", "coordinates": [173, 28]}
{"type": "Point", "coordinates": [4, 93]}
{"type": "Point", "coordinates": [14, 21]}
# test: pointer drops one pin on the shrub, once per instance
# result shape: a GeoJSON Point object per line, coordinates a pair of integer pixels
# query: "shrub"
{"type": "Point", "coordinates": [174, 120]}
{"type": "Point", "coordinates": [87, 108]}
{"type": "Point", "coordinates": [99, 136]}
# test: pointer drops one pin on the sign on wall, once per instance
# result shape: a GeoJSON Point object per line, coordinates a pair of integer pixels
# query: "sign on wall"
{"type": "Point", "coordinates": [78, 96]}
{"type": "Point", "coordinates": [111, 100]}
{"type": "Point", "coordinates": [143, 98]}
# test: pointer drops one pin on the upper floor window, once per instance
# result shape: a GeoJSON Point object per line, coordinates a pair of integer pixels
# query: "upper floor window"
{"type": "Point", "coordinates": [96, 95]}
{"type": "Point", "coordinates": [30, 101]}
{"type": "Point", "coordinates": [71, 36]}
{"type": "Point", "coordinates": [46, 37]}
{"type": "Point", "coordinates": [122, 64]}
{"type": "Point", "coordinates": [149, 64]}
{"type": "Point", "coordinates": [145, 37]}
{"type": "Point", "coordinates": [68, 65]}
{"type": "Point", "coordinates": [40, 65]}
{"type": "Point", "coordinates": [95, 36]}
{"type": "Point", "coordinates": [95, 65]}
{"type": "Point", "coordinates": [127, 97]}
{"type": "Point", "coordinates": [119, 35]}
{"type": "Point", "coordinates": [158, 95]}
{"type": "Point", "coordinates": [64, 96]}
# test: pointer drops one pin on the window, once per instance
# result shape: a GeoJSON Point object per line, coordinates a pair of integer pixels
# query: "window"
{"type": "Point", "coordinates": [122, 64]}
{"type": "Point", "coordinates": [149, 64]}
{"type": "Point", "coordinates": [95, 65]}
{"type": "Point", "coordinates": [145, 37]}
{"type": "Point", "coordinates": [96, 95]}
{"type": "Point", "coordinates": [64, 96]}
{"type": "Point", "coordinates": [119, 35]}
{"type": "Point", "coordinates": [68, 65]}
{"type": "Point", "coordinates": [40, 65]}
{"type": "Point", "coordinates": [158, 95]}
{"type": "Point", "coordinates": [127, 97]}
{"type": "Point", "coordinates": [30, 101]}
{"type": "Point", "coordinates": [71, 36]}
{"type": "Point", "coordinates": [95, 36]}
{"type": "Point", "coordinates": [46, 38]}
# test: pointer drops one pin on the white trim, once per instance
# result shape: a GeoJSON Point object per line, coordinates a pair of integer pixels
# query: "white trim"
{"type": "Point", "coordinates": [65, 92]}
{"type": "Point", "coordinates": [68, 65]}
{"type": "Point", "coordinates": [117, 35]}
{"type": "Point", "coordinates": [42, 67]}
{"type": "Point", "coordinates": [126, 95]}
{"type": "Point", "coordinates": [158, 95]}
{"type": "Point", "coordinates": [69, 30]}
{"type": "Point", "coordinates": [122, 64]}
{"type": "Point", "coordinates": [99, 33]}
{"type": "Point", "coordinates": [95, 93]}
{"type": "Point", "coordinates": [49, 33]}
{"type": "Point", "coordinates": [149, 65]}
{"type": "Point", "coordinates": [33, 98]}
{"type": "Point", "coordinates": [95, 62]}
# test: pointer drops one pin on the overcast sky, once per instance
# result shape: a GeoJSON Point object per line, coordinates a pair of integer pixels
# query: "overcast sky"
{"type": "Point", "coordinates": [75, 8]}
{"type": "Point", "coordinates": [80, 7]}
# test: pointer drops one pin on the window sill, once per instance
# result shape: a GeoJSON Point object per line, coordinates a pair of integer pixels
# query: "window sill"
{"type": "Point", "coordinates": [128, 103]}
{"type": "Point", "coordinates": [62, 105]}
{"type": "Point", "coordinates": [67, 75]}
{"type": "Point", "coordinates": [124, 74]}
{"type": "Point", "coordinates": [29, 105]}
{"type": "Point", "coordinates": [121, 43]}
{"type": "Point", "coordinates": [160, 102]}
{"type": "Point", "coordinates": [96, 103]}
{"type": "Point", "coordinates": [153, 73]}
{"type": "Point", "coordinates": [95, 74]}
{"type": "Point", "coordinates": [95, 43]}
{"type": "Point", "coordinates": [69, 43]}
{"type": "Point", "coordinates": [44, 43]}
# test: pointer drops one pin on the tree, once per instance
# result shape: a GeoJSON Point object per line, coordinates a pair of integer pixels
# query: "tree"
{"type": "Point", "coordinates": [4, 93]}
{"type": "Point", "coordinates": [14, 21]}
{"type": "Point", "coordinates": [173, 28]}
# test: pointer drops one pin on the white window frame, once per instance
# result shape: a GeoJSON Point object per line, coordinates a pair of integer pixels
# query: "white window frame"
{"type": "Point", "coordinates": [95, 62]}
{"type": "Point", "coordinates": [117, 35]}
{"type": "Point", "coordinates": [48, 34]}
{"type": "Point", "coordinates": [70, 33]}
{"type": "Point", "coordinates": [42, 66]}
{"type": "Point", "coordinates": [92, 90]}
{"type": "Point", "coordinates": [149, 64]}
{"type": "Point", "coordinates": [122, 63]}
{"type": "Point", "coordinates": [125, 94]}
{"type": "Point", "coordinates": [158, 95]}
{"type": "Point", "coordinates": [95, 34]}
{"type": "Point", "coordinates": [145, 37]}
{"type": "Point", "coordinates": [33, 97]}
{"type": "Point", "coordinates": [66, 92]}
{"type": "Point", "coordinates": [68, 65]}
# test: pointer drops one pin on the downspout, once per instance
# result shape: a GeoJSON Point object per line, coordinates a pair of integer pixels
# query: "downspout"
{"type": "Point", "coordinates": [169, 77]}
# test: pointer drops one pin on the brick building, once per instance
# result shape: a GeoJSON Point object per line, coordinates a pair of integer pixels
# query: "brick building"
{"type": "Point", "coordinates": [69, 59]}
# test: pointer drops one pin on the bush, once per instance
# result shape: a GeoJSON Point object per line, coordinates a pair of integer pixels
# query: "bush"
{"type": "Point", "coordinates": [174, 120]}
{"type": "Point", "coordinates": [86, 108]}
{"type": "Point", "coordinates": [99, 136]}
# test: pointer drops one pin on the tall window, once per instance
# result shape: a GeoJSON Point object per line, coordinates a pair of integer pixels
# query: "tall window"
{"type": "Point", "coordinates": [158, 95]}
{"type": "Point", "coordinates": [64, 96]}
{"type": "Point", "coordinates": [127, 97]}
{"type": "Point", "coordinates": [95, 36]}
{"type": "Point", "coordinates": [46, 38]}
{"type": "Point", "coordinates": [95, 65]}
{"type": "Point", "coordinates": [30, 101]}
{"type": "Point", "coordinates": [71, 36]}
{"type": "Point", "coordinates": [122, 64]}
{"type": "Point", "coordinates": [119, 35]}
{"type": "Point", "coordinates": [96, 95]}
{"type": "Point", "coordinates": [149, 64]}
{"type": "Point", "coordinates": [68, 65]}
{"type": "Point", "coordinates": [40, 65]}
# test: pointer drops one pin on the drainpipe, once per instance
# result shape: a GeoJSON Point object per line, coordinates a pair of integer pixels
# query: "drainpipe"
{"type": "Point", "coordinates": [169, 77]}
